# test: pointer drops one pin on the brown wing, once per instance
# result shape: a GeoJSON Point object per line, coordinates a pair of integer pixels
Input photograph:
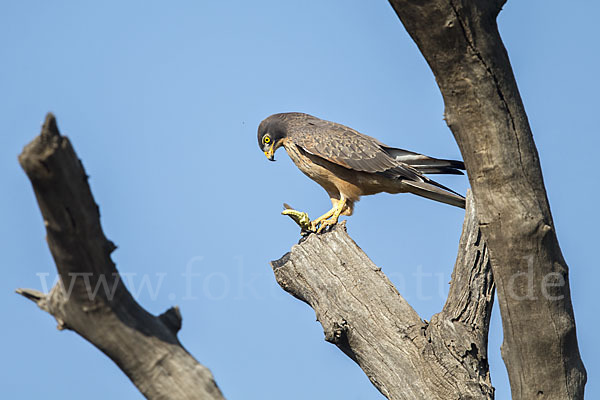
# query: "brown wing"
{"type": "Point", "coordinates": [346, 147]}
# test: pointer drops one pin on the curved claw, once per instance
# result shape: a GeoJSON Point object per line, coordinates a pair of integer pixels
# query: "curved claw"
{"type": "Point", "coordinates": [324, 224]}
{"type": "Point", "coordinates": [299, 217]}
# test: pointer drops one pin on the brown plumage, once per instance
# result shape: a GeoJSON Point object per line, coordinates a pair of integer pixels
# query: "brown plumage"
{"type": "Point", "coordinates": [348, 164]}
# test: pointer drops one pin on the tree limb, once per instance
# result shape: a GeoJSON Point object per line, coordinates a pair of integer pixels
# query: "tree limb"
{"type": "Point", "coordinates": [90, 298]}
{"type": "Point", "coordinates": [460, 41]}
{"type": "Point", "coordinates": [365, 316]}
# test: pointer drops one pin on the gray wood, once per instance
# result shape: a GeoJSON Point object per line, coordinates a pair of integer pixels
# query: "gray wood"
{"type": "Point", "coordinates": [483, 108]}
{"type": "Point", "coordinates": [364, 315]}
{"type": "Point", "coordinates": [144, 346]}
{"type": "Point", "coordinates": [361, 312]}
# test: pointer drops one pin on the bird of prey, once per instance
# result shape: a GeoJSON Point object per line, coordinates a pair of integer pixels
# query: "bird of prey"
{"type": "Point", "coordinates": [349, 164]}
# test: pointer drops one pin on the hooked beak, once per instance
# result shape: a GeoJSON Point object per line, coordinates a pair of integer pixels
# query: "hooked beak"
{"type": "Point", "coordinates": [271, 153]}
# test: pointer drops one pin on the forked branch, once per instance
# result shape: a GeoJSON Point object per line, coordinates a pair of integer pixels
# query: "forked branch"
{"type": "Point", "coordinates": [364, 315]}
{"type": "Point", "coordinates": [483, 108]}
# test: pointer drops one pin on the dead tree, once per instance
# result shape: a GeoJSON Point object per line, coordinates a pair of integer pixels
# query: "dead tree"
{"type": "Point", "coordinates": [508, 232]}
{"type": "Point", "coordinates": [90, 298]}
{"type": "Point", "coordinates": [365, 316]}
{"type": "Point", "coordinates": [360, 310]}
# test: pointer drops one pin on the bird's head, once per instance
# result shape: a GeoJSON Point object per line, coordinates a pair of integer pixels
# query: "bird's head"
{"type": "Point", "coordinates": [271, 133]}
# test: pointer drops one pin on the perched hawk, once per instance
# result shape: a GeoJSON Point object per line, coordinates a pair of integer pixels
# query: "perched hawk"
{"type": "Point", "coordinates": [348, 164]}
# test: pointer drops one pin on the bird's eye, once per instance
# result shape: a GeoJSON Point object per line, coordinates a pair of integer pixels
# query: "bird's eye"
{"type": "Point", "coordinates": [267, 139]}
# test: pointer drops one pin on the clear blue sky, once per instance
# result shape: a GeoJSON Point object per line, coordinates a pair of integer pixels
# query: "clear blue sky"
{"type": "Point", "coordinates": [161, 101]}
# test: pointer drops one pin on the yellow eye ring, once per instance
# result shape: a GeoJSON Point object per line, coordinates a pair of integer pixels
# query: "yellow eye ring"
{"type": "Point", "coordinates": [267, 140]}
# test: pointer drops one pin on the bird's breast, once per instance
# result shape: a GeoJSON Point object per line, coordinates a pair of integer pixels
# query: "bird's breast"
{"type": "Point", "coordinates": [304, 162]}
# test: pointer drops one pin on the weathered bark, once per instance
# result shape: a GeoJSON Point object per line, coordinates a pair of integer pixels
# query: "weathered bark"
{"type": "Point", "coordinates": [460, 41]}
{"type": "Point", "coordinates": [92, 299]}
{"type": "Point", "coordinates": [363, 314]}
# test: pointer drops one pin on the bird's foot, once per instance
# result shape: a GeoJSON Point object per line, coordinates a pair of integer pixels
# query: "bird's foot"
{"type": "Point", "coordinates": [318, 225]}
{"type": "Point", "coordinates": [330, 218]}
{"type": "Point", "coordinates": [324, 224]}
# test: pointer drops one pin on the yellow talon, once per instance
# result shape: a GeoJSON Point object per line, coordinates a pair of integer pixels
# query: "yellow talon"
{"type": "Point", "coordinates": [330, 218]}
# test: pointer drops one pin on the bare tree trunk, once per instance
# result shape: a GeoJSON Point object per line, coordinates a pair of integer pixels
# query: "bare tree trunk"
{"type": "Point", "coordinates": [91, 298]}
{"type": "Point", "coordinates": [460, 41]}
{"type": "Point", "coordinates": [361, 311]}
{"type": "Point", "coordinates": [363, 314]}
